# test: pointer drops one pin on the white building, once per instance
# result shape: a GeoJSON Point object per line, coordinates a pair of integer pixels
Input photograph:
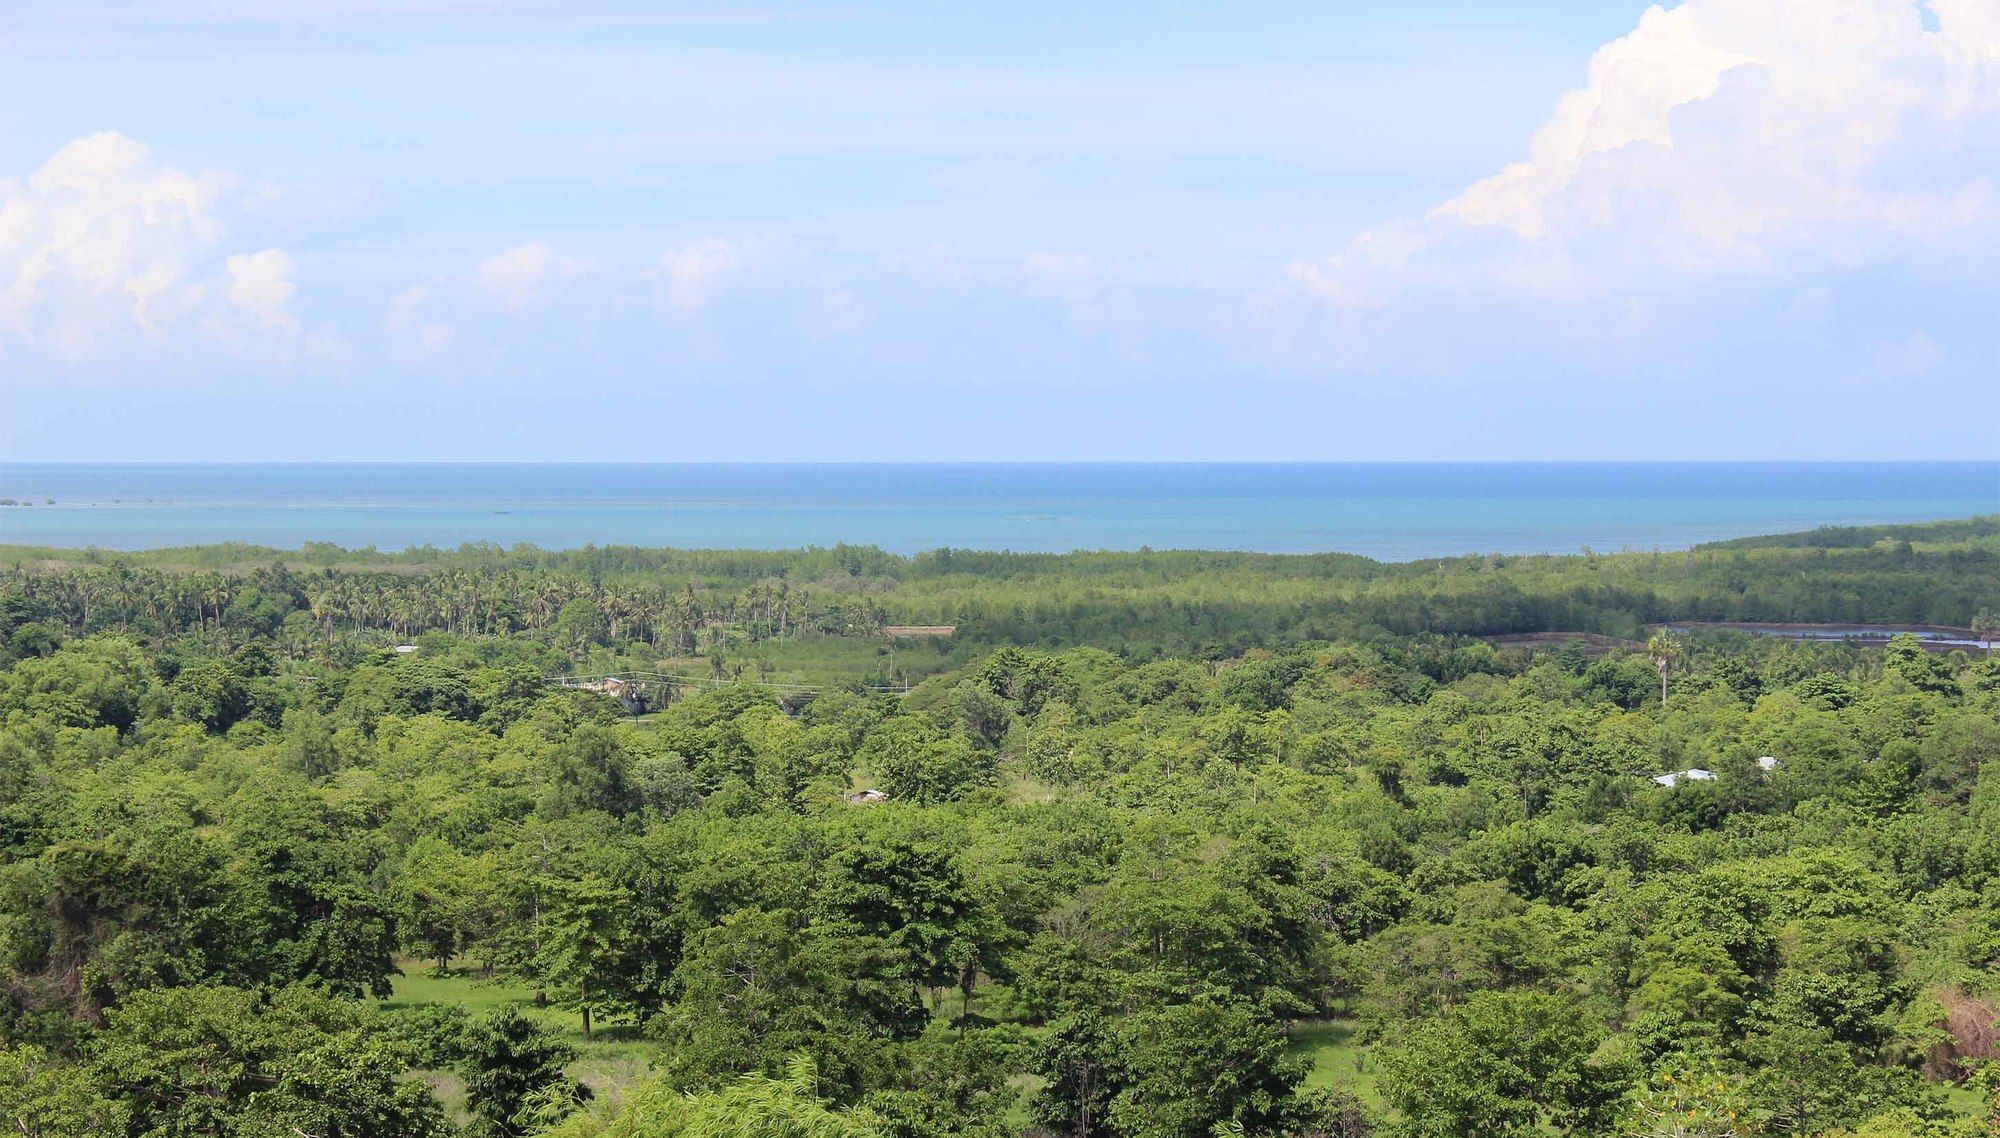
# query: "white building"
{"type": "Point", "coordinates": [1692, 774]}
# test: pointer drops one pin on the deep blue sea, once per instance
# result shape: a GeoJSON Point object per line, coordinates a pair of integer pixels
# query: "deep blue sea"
{"type": "Point", "coordinates": [1392, 511]}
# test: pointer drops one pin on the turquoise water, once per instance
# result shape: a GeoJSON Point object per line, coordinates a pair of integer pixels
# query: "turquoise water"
{"type": "Point", "coordinates": [1391, 511]}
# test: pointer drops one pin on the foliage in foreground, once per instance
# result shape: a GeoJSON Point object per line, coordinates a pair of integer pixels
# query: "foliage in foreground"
{"type": "Point", "coordinates": [1106, 896]}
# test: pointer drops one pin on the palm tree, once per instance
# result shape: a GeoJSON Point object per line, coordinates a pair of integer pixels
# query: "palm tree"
{"type": "Point", "coordinates": [690, 617]}
{"type": "Point", "coordinates": [319, 602]}
{"type": "Point", "coordinates": [1664, 647]}
{"type": "Point", "coordinates": [1986, 627]}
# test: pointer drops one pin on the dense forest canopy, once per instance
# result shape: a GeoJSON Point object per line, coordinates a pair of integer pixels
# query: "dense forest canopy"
{"type": "Point", "coordinates": [1155, 845]}
{"type": "Point", "coordinates": [1143, 604]}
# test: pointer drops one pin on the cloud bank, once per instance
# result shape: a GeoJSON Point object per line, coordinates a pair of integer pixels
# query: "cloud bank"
{"type": "Point", "coordinates": [1785, 138]}
{"type": "Point", "coordinates": [104, 245]}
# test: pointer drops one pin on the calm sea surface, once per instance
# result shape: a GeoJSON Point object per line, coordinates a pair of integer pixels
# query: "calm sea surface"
{"type": "Point", "coordinates": [1389, 511]}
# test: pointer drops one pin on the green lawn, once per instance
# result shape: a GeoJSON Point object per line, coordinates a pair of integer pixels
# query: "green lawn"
{"type": "Point", "coordinates": [1337, 1060]}
{"type": "Point", "coordinates": [610, 1062]}
{"type": "Point", "coordinates": [617, 1057]}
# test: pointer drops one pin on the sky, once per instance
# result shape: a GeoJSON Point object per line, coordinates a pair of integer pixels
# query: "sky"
{"type": "Point", "coordinates": [614, 230]}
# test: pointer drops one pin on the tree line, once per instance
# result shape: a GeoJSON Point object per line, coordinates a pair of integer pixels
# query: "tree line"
{"type": "Point", "coordinates": [1149, 603]}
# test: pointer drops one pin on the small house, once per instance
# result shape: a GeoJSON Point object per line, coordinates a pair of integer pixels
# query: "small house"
{"type": "Point", "coordinates": [866, 797]}
{"type": "Point", "coordinates": [1692, 774]}
{"type": "Point", "coordinates": [625, 692]}
{"type": "Point", "coordinates": [1767, 764]}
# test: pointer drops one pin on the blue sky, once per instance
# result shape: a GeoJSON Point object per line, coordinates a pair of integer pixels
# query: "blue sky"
{"type": "Point", "coordinates": [500, 229]}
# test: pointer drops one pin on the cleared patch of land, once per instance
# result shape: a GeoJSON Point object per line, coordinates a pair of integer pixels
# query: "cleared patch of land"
{"type": "Point", "coordinates": [612, 1061]}
{"type": "Point", "coordinates": [1338, 1060]}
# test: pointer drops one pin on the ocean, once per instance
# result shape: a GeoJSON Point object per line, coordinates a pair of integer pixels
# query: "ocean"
{"type": "Point", "coordinates": [1389, 511]}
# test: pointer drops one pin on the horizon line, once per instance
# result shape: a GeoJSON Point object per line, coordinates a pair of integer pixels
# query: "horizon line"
{"type": "Point", "coordinates": [1107, 462]}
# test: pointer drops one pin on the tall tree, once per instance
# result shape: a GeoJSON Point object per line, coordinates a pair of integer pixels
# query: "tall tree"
{"type": "Point", "coordinates": [583, 929]}
{"type": "Point", "coordinates": [1083, 1066]}
{"type": "Point", "coordinates": [1664, 648]}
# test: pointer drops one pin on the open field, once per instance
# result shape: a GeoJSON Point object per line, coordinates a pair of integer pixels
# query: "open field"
{"type": "Point", "coordinates": [615, 1058]}
{"type": "Point", "coordinates": [1337, 1060]}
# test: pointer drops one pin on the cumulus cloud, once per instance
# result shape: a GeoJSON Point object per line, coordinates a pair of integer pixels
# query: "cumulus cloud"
{"type": "Point", "coordinates": [1773, 137]}
{"type": "Point", "coordinates": [517, 277]}
{"type": "Point", "coordinates": [689, 274]}
{"type": "Point", "coordinates": [261, 285]}
{"type": "Point", "coordinates": [103, 242]}
{"type": "Point", "coordinates": [408, 325]}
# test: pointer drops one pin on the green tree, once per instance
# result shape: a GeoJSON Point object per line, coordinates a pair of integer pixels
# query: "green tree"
{"type": "Point", "coordinates": [1204, 1063]}
{"type": "Point", "coordinates": [349, 948]}
{"type": "Point", "coordinates": [915, 762]}
{"type": "Point", "coordinates": [588, 771]}
{"type": "Point", "coordinates": [580, 626]}
{"type": "Point", "coordinates": [756, 1106]}
{"type": "Point", "coordinates": [1804, 1080]}
{"type": "Point", "coordinates": [1664, 648]}
{"type": "Point", "coordinates": [952, 1082]}
{"type": "Point", "coordinates": [1986, 626]}
{"type": "Point", "coordinates": [309, 742]}
{"type": "Point", "coordinates": [747, 995]}
{"type": "Point", "coordinates": [210, 693]}
{"type": "Point", "coordinates": [41, 1097]}
{"type": "Point", "coordinates": [913, 897]}
{"type": "Point", "coordinates": [1501, 1065]}
{"type": "Point", "coordinates": [434, 900]}
{"type": "Point", "coordinates": [513, 1073]}
{"type": "Point", "coordinates": [1082, 1063]}
{"type": "Point", "coordinates": [1690, 1100]}
{"type": "Point", "coordinates": [196, 1062]}
{"type": "Point", "coordinates": [583, 930]}
{"type": "Point", "coordinates": [985, 714]}
{"type": "Point", "coordinates": [1905, 656]}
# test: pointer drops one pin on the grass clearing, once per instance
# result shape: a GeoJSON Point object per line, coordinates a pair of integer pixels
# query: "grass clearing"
{"type": "Point", "coordinates": [610, 1062]}
{"type": "Point", "coordinates": [1337, 1059]}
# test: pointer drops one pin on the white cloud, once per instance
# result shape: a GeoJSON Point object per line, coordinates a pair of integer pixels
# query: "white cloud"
{"type": "Point", "coordinates": [406, 321]}
{"type": "Point", "coordinates": [403, 307]}
{"type": "Point", "coordinates": [103, 243]}
{"type": "Point", "coordinates": [516, 276]}
{"type": "Point", "coordinates": [690, 273]}
{"type": "Point", "coordinates": [261, 285]}
{"type": "Point", "coordinates": [1772, 137]}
